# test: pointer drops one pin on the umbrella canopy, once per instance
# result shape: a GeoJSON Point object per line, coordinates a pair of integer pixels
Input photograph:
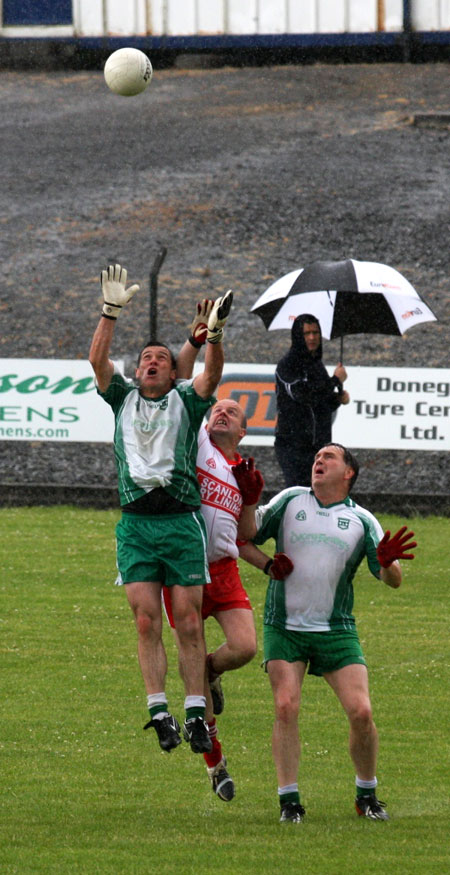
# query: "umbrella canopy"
{"type": "Point", "coordinates": [347, 297]}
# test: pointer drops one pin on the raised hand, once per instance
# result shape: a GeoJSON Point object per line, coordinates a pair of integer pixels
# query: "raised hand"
{"type": "Point", "coordinates": [249, 480]}
{"type": "Point", "coordinates": [114, 280]}
{"type": "Point", "coordinates": [199, 325]}
{"type": "Point", "coordinates": [218, 316]}
{"type": "Point", "coordinates": [389, 549]}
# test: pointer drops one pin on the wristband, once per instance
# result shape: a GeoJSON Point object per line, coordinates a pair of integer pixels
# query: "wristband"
{"type": "Point", "coordinates": [268, 566]}
{"type": "Point", "coordinates": [195, 343]}
{"type": "Point", "coordinates": [105, 316]}
{"type": "Point", "coordinates": [215, 336]}
{"type": "Point", "coordinates": [111, 309]}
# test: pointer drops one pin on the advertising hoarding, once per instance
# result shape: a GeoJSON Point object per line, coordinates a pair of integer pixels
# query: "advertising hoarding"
{"type": "Point", "coordinates": [390, 408]}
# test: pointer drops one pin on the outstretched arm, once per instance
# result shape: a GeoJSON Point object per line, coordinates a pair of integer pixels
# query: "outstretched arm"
{"type": "Point", "coordinates": [251, 484]}
{"type": "Point", "coordinates": [186, 359]}
{"type": "Point", "coordinates": [197, 338]}
{"type": "Point", "coordinates": [99, 353]}
{"type": "Point", "coordinates": [206, 383]}
{"type": "Point", "coordinates": [113, 281]}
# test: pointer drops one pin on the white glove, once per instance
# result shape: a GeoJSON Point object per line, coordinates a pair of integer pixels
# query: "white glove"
{"type": "Point", "coordinates": [199, 325]}
{"type": "Point", "coordinates": [113, 281]}
{"type": "Point", "coordinates": [218, 317]}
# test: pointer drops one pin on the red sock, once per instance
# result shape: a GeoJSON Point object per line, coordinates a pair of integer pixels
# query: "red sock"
{"type": "Point", "coordinates": [215, 755]}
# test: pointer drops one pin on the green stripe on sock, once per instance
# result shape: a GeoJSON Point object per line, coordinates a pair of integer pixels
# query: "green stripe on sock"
{"type": "Point", "coordinates": [290, 797]}
{"type": "Point", "coordinates": [158, 709]}
{"type": "Point", "coordinates": [195, 712]}
{"type": "Point", "coordinates": [365, 791]}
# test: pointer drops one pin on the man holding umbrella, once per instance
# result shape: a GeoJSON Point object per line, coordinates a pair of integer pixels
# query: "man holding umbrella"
{"type": "Point", "coordinates": [348, 297]}
{"type": "Point", "coordinates": [307, 397]}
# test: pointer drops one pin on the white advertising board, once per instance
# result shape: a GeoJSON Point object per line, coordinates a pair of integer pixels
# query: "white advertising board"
{"type": "Point", "coordinates": [396, 408]}
{"type": "Point", "coordinates": [390, 408]}
{"type": "Point", "coordinates": [52, 400]}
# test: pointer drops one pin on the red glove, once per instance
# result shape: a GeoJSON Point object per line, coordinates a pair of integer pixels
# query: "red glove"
{"type": "Point", "coordinates": [249, 480]}
{"type": "Point", "coordinates": [393, 548]}
{"type": "Point", "coordinates": [199, 326]}
{"type": "Point", "coordinates": [279, 567]}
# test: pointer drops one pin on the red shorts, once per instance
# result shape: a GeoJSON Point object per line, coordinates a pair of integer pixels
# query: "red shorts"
{"type": "Point", "coordinates": [224, 593]}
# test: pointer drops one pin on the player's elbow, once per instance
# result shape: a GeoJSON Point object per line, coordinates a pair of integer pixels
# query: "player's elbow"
{"type": "Point", "coordinates": [96, 359]}
{"type": "Point", "coordinates": [103, 375]}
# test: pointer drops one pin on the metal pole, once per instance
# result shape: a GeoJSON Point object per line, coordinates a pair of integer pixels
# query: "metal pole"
{"type": "Point", "coordinates": [157, 265]}
{"type": "Point", "coordinates": [407, 31]}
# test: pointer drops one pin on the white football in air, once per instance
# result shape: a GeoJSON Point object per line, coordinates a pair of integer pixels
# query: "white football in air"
{"type": "Point", "coordinates": [128, 72]}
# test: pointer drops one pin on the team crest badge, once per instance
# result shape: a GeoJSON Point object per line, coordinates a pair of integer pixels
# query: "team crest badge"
{"type": "Point", "coordinates": [211, 463]}
{"type": "Point", "coordinates": [343, 523]}
{"type": "Point", "coordinates": [301, 515]}
{"type": "Point", "coordinates": [159, 405]}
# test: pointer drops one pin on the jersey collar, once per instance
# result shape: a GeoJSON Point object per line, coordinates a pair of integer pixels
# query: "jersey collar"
{"type": "Point", "coordinates": [237, 457]}
{"type": "Point", "coordinates": [347, 501]}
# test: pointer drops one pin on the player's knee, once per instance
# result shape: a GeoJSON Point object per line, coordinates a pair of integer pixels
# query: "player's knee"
{"type": "Point", "coordinates": [243, 646]}
{"type": "Point", "coordinates": [146, 625]}
{"type": "Point", "coordinates": [242, 650]}
{"type": "Point", "coordinates": [286, 708]}
{"type": "Point", "coordinates": [361, 716]}
{"type": "Point", "coordinates": [188, 625]}
{"type": "Point", "coordinates": [248, 651]}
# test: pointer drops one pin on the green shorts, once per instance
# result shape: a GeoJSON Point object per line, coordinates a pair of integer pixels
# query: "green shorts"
{"type": "Point", "coordinates": [322, 652]}
{"type": "Point", "coordinates": [169, 548]}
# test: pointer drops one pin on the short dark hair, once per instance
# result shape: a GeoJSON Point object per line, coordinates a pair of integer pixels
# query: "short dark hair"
{"type": "Point", "coordinates": [307, 319]}
{"type": "Point", "coordinates": [157, 343]}
{"type": "Point", "coordinates": [349, 460]}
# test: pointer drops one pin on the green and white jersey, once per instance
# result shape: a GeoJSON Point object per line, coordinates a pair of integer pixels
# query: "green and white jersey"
{"type": "Point", "coordinates": [326, 544]}
{"type": "Point", "coordinates": [155, 439]}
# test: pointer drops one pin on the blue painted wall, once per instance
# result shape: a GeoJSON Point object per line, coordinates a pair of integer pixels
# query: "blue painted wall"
{"type": "Point", "coordinates": [23, 12]}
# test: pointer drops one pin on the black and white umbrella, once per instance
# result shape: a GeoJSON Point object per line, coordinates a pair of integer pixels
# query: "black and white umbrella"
{"type": "Point", "coordinates": [347, 297]}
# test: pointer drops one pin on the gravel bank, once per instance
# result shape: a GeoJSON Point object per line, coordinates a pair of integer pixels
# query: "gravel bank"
{"type": "Point", "coordinates": [243, 174]}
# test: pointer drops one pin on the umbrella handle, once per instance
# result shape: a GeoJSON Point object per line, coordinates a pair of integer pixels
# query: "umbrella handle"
{"type": "Point", "coordinates": [342, 349]}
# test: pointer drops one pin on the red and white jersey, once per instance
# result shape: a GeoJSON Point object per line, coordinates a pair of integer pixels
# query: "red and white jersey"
{"type": "Point", "coordinates": [221, 499]}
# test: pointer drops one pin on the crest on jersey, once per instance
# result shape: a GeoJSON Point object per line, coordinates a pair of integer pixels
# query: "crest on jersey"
{"type": "Point", "coordinates": [160, 404]}
{"type": "Point", "coordinates": [343, 523]}
{"type": "Point", "coordinates": [211, 463]}
{"type": "Point", "coordinates": [301, 515]}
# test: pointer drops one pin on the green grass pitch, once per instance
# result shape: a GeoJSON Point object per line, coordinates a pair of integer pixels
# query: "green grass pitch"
{"type": "Point", "coordinates": [84, 790]}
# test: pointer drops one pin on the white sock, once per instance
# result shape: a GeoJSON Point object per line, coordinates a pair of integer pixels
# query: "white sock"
{"type": "Point", "coordinates": [194, 702]}
{"type": "Point", "coordinates": [157, 699]}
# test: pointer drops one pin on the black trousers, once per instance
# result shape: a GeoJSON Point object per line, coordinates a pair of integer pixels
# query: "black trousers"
{"type": "Point", "coordinates": [295, 462]}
